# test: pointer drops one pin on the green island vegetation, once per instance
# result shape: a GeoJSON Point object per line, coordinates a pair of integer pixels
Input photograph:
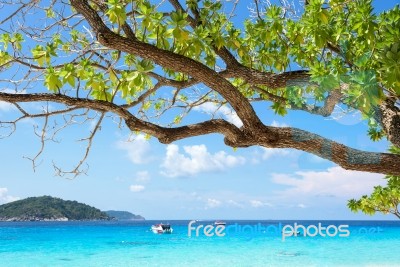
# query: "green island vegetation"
{"type": "Point", "coordinates": [46, 208]}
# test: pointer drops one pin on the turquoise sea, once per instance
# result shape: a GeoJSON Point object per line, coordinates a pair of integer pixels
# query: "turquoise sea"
{"type": "Point", "coordinates": [246, 243]}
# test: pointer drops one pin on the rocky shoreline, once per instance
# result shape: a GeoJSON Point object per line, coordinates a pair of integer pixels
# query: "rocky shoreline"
{"type": "Point", "coordinates": [33, 219]}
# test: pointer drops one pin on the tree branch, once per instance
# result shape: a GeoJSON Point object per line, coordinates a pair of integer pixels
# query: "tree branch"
{"type": "Point", "coordinates": [390, 121]}
{"type": "Point", "coordinates": [273, 137]}
{"type": "Point", "coordinates": [172, 61]}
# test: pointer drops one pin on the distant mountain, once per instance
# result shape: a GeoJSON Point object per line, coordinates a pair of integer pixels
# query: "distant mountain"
{"type": "Point", "coordinates": [48, 208]}
{"type": "Point", "coordinates": [123, 215]}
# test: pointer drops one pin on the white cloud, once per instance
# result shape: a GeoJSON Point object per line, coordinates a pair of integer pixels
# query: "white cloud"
{"type": "Point", "coordinates": [234, 203]}
{"type": "Point", "coordinates": [142, 176]}
{"type": "Point", "coordinates": [138, 149]}
{"type": "Point", "coordinates": [4, 106]}
{"type": "Point", "coordinates": [334, 181]}
{"type": "Point", "coordinates": [256, 203]}
{"type": "Point", "coordinates": [278, 124]}
{"type": "Point", "coordinates": [196, 160]}
{"type": "Point", "coordinates": [136, 188]}
{"type": "Point", "coordinates": [223, 111]}
{"type": "Point", "coordinates": [301, 205]}
{"type": "Point", "coordinates": [212, 203]}
{"type": "Point", "coordinates": [5, 197]}
{"type": "Point", "coordinates": [268, 153]}
{"type": "Point", "coordinates": [259, 204]}
{"type": "Point", "coordinates": [346, 117]}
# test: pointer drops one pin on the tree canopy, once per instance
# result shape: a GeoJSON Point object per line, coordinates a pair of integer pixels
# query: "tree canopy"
{"type": "Point", "coordinates": [150, 63]}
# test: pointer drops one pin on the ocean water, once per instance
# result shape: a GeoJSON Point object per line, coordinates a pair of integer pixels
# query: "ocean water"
{"type": "Point", "coordinates": [245, 243]}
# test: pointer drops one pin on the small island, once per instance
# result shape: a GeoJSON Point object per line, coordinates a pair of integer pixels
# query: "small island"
{"type": "Point", "coordinates": [124, 215]}
{"type": "Point", "coordinates": [47, 208]}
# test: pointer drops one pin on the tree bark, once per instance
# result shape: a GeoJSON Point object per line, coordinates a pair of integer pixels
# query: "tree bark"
{"type": "Point", "coordinates": [390, 121]}
{"type": "Point", "coordinates": [267, 136]}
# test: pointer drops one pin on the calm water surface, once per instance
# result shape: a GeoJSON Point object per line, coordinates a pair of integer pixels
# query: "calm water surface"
{"type": "Point", "coordinates": [246, 243]}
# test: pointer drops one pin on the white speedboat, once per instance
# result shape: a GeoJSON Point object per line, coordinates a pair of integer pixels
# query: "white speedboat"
{"type": "Point", "coordinates": [219, 223]}
{"type": "Point", "coordinates": [161, 228]}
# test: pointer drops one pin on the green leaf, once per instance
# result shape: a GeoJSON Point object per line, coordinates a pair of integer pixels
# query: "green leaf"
{"type": "Point", "coordinates": [4, 58]}
{"type": "Point", "coordinates": [39, 54]}
{"type": "Point", "coordinates": [50, 13]}
{"type": "Point", "coordinates": [68, 74]}
{"type": "Point", "coordinates": [113, 75]}
{"type": "Point", "coordinates": [177, 119]}
{"type": "Point", "coordinates": [5, 39]}
{"type": "Point", "coordinates": [324, 16]}
{"type": "Point", "coordinates": [279, 109]}
{"type": "Point", "coordinates": [375, 134]}
{"type": "Point", "coordinates": [116, 12]}
{"type": "Point", "coordinates": [16, 40]}
{"type": "Point", "coordinates": [52, 80]}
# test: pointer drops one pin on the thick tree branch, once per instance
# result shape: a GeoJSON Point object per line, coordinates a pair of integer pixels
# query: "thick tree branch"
{"type": "Point", "coordinates": [346, 157]}
{"type": "Point", "coordinates": [165, 135]}
{"type": "Point", "coordinates": [274, 137]}
{"type": "Point", "coordinates": [390, 121]}
{"type": "Point", "coordinates": [219, 90]}
{"type": "Point", "coordinates": [272, 80]}
{"type": "Point", "coordinates": [172, 61]}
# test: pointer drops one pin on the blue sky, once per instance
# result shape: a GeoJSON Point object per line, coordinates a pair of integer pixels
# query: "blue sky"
{"type": "Point", "coordinates": [197, 178]}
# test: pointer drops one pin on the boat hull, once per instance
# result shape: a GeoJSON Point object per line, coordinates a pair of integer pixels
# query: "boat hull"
{"type": "Point", "coordinates": [161, 229]}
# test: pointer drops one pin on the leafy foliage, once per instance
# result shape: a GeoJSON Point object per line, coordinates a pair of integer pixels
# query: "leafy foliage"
{"type": "Point", "coordinates": [338, 42]}
{"type": "Point", "coordinates": [382, 199]}
{"type": "Point", "coordinates": [150, 64]}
